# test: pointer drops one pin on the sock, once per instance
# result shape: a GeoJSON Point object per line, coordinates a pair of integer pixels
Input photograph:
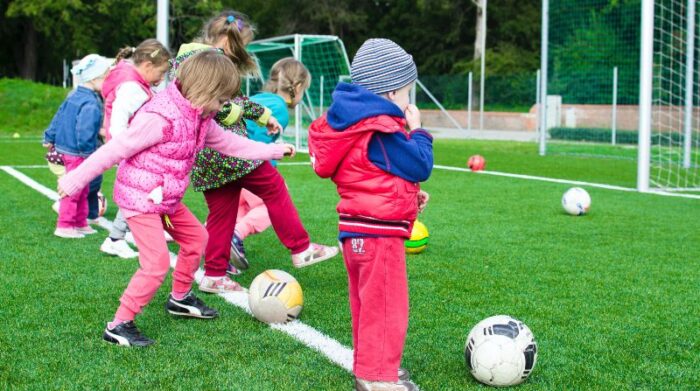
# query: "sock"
{"type": "Point", "coordinates": [116, 322]}
{"type": "Point", "coordinates": [179, 295]}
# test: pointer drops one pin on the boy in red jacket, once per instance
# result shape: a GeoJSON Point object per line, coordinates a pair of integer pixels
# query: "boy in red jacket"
{"type": "Point", "coordinates": [362, 144]}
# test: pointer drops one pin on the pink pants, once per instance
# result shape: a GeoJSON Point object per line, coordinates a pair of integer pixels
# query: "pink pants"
{"type": "Point", "coordinates": [252, 215]}
{"type": "Point", "coordinates": [266, 183]}
{"type": "Point", "coordinates": [73, 210]}
{"type": "Point", "coordinates": [154, 259]}
{"type": "Point", "coordinates": [378, 290]}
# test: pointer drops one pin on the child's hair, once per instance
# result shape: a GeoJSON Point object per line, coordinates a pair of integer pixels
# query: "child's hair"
{"type": "Point", "coordinates": [286, 75]}
{"type": "Point", "coordinates": [206, 76]}
{"type": "Point", "coordinates": [238, 30]}
{"type": "Point", "coordinates": [150, 50]}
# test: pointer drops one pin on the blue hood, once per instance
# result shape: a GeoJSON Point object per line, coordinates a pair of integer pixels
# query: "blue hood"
{"type": "Point", "coordinates": [353, 103]}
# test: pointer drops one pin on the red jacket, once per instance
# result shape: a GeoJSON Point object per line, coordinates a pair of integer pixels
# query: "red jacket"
{"type": "Point", "coordinates": [372, 201]}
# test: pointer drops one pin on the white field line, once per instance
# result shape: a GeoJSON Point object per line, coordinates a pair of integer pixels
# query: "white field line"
{"type": "Point", "coordinates": [30, 166]}
{"type": "Point", "coordinates": [314, 339]}
{"type": "Point", "coordinates": [543, 179]}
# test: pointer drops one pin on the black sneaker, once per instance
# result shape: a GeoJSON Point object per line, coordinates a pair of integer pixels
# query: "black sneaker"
{"type": "Point", "coordinates": [126, 334]}
{"type": "Point", "coordinates": [238, 253]}
{"type": "Point", "coordinates": [190, 306]}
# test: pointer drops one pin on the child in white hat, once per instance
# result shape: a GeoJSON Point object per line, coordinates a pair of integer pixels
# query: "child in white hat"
{"type": "Point", "coordinates": [73, 133]}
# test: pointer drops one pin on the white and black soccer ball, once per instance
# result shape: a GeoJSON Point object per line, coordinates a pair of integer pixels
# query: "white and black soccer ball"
{"type": "Point", "coordinates": [576, 201]}
{"type": "Point", "coordinates": [275, 296]}
{"type": "Point", "coordinates": [500, 351]}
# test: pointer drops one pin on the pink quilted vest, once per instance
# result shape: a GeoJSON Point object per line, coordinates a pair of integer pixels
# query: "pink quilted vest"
{"type": "Point", "coordinates": [123, 72]}
{"type": "Point", "coordinates": [166, 164]}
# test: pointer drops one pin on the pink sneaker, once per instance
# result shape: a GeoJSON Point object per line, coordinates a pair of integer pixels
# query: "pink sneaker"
{"type": "Point", "coordinates": [314, 254]}
{"type": "Point", "coordinates": [219, 285]}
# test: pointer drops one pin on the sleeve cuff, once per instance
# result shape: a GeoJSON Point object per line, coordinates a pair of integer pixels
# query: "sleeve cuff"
{"type": "Point", "coordinates": [421, 131]}
{"type": "Point", "coordinates": [262, 120]}
{"type": "Point", "coordinates": [233, 116]}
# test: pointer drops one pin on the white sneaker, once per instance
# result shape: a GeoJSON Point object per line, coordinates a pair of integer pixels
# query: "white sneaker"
{"type": "Point", "coordinates": [314, 254]}
{"type": "Point", "coordinates": [366, 385]}
{"type": "Point", "coordinates": [119, 248]}
{"type": "Point", "coordinates": [86, 230]}
{"type": "Point", "coordinates": [219, 285]}
{"type": "Point", "coordinates": [68, 233]}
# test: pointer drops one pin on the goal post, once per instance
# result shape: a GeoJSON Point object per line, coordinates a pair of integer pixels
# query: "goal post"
{"type": "Point", "coordinates": [669, 122]}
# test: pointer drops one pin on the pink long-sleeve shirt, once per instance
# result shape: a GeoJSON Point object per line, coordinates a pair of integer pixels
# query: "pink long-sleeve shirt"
{"type": "Point", "coordinates": [145, 131]}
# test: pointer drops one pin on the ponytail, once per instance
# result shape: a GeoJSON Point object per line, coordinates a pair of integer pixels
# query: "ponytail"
{"type": "Point", "coordinates": [286, 75]}
{"type": "Point", "coordinates": [150, 50]}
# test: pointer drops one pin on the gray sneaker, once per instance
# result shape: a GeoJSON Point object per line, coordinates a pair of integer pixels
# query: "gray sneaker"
{"type": "Point", "coordinates": [401, 385]}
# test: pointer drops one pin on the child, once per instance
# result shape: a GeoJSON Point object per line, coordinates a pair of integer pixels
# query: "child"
{"type": "Point", "coordinates": [221, 178]}
{"type": "Point", "coordinates": [362, 145]}
{"type": "Point", "coordinates": [157, 152]}
{"type": "Point", "coordinates": [127, 88]}
{"type": "Point", "coordinates": [73, 133]}
{"type": "Point", "coordinates": [285, 88]}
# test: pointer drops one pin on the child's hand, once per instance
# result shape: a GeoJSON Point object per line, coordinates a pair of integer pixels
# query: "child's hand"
{"type": "Point", "coordinates": [412, 117]}
{"type": "Point", "coordinates": [273, 126]}
{"type": "Point", "coordinates": [290, 151]}
{"type": "Point", "coordinates": [61, 193]}
{"type": "Point", "coordinates": [423, 198]}
{"type": "Point", "coordinates": [47, 145]}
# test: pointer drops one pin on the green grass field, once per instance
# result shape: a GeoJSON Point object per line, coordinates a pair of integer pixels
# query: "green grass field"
{"type": "Point", "coordinates": [611, 297]}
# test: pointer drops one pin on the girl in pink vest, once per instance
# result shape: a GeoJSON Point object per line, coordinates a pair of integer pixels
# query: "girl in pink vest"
{"type": "Point", "coordinates": [127, 88]}
{"type": "Point", "coordinates": [157, 152]}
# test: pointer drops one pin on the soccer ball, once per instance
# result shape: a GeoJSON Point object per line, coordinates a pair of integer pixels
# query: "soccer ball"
{"type": "Point", "coordinates": [419, 239]}
{"type": "Point", "coordinates": [275, 296]}
{"type": "Point", "coordinates": [476, 163]}
{"type": "Point", "coordinates": [576, 201]}
{"type": "Point", "coordinates": [101, 204]}
{"type": "Point", "coordinates": [500, 351]}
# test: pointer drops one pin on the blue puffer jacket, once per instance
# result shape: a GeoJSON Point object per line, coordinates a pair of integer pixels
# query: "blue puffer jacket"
{"type": "Point", "coordinates": [76, 124]}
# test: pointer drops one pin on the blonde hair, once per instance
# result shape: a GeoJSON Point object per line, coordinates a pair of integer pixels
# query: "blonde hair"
{"type": "Point", "coordinates": [238, 31]}
{"type": "Point", "coordinates": [286, 75]}
{"type": "Point", "coordinates": [150, 50]}
{"type": "Point", "coordinates": [206, 76]}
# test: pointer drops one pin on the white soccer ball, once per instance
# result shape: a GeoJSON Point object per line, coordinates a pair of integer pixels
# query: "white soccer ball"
{"type": "Point", "coordinates": [500, 351]}
{"type": "Point", "coordinates": [275, 296]}
{"type": "Point", "coordinates": [576, 201]}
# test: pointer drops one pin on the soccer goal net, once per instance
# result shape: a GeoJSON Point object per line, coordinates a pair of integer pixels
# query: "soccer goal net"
{"type": "Point", "coordinates": [670, 119]}
{"type": "Point", "coordinates": [327, 61]}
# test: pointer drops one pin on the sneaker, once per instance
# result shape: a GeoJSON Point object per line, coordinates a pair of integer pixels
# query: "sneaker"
{"type": "Point", "coordinates": [219, 285]}
{"type": "Point", "coordinates": [126, 334]}
{"type": "Point", "coordinates": [94, 221]}
{"type": "Point", "coordinates": [190, 306]}
{"type": "Point", "coordinates": [118, 247]}
{"type": "Point", "coordinates": [404, 374]}
{"type": "Point", "coordinates": [86, 230]}
{"type": "Point", "coordinates": [232, 271]}
{"type": "Point", "coordinates": [238, 253]}
{"type": "Point", "coordinates": [68, 233]}
{"type": "Point", "coordinates": [401, 385]}
{"type": "Point", "coordinates": [314, 254]}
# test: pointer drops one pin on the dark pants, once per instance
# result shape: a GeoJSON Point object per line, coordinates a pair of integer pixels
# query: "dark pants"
{"type": "Point", "coordinates": [93, 203]}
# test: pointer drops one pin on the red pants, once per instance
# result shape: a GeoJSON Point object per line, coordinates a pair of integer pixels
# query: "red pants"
{"type": "Point", "coordinates": [73, 210]}
{"type": "Point", "coordinates": [266, 183]}
{"type": "Point", "coordinates": [378, 290]}
{"type": "Point", "coordinates": [154, 258]}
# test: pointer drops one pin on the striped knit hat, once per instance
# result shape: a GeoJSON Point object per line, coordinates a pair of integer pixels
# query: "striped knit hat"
{"type": "Point", "coordinates": [382, 66]}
